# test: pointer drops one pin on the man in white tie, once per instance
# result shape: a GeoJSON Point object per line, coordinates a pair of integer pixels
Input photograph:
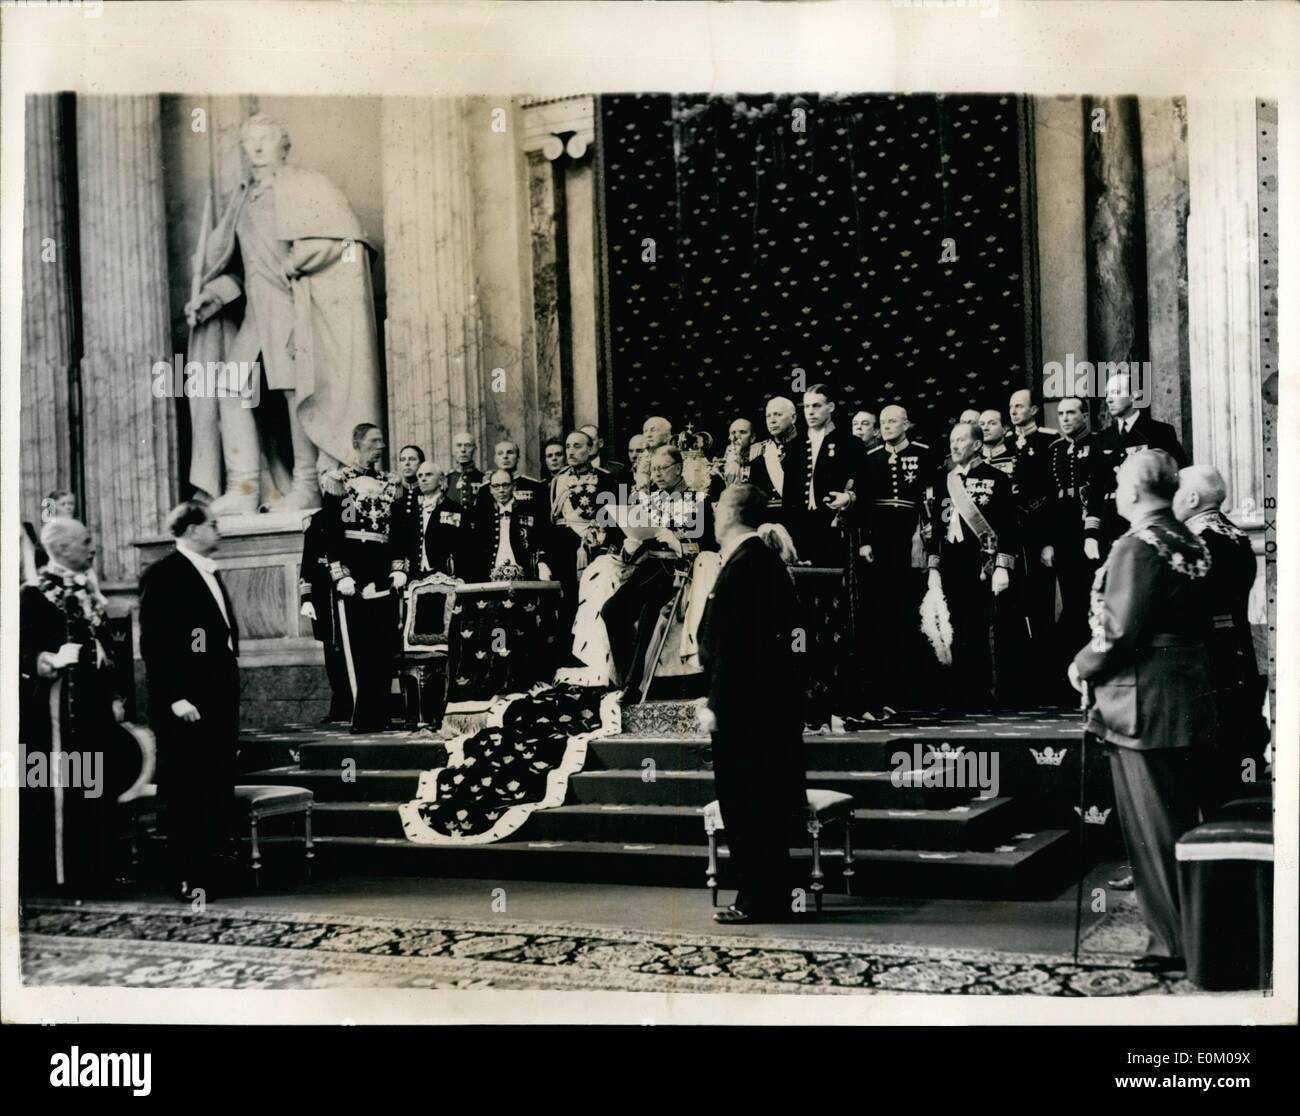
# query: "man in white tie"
{"type": "Point", "coordinates": [509, 537]}
{"type": "Point", "coordinates": [441, 533]}
{"type": "Point", "coordinates": [189, 640]}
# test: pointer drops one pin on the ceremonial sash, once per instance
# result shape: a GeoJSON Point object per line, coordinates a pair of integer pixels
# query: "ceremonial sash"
{"type": "Point", "coordinates": [964, 506]}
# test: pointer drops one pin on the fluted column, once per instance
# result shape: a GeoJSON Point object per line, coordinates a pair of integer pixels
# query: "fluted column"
{"type": "Point", "coordinates": [1223, 298]}
{"type": "Point", "coordinates": [46, 426]}
{"type": "Point", "coordinates": [128, 433]}
{"type": "Point", "coordinates": [434, 379]}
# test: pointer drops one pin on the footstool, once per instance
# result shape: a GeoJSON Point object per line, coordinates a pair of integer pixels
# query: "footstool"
{"type": "Point", "coordinates": [823, 807]}
{"type": "Point", "coordinates": [266, 801]}
{"type": "Point", "coordinates": [1225, 886]}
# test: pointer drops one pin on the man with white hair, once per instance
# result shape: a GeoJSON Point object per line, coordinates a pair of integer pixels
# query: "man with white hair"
{"type": "Point", "coordinates": [1131, 429]}
{"type": "Point", "coordinates": [866, 429]}
{"type": "Point", "coordinates": [900, 475]}
{"type": "Point", "coordinates": [1146, 672]}
{"type": "Point", "coordinates": [68, 709]}
{"type": "Point", "coordinates": [1236, 762]}
{"type": "Point", "coordinates": [972, 552]}
{"type": "Point", "coordinates": [657, 431]}
{"type": "Point", "coordinates": [442, 526]}
{"type": "Point", "coordinates": [464, 479]}
{"type": "Point", "coordinates": [767, 470]}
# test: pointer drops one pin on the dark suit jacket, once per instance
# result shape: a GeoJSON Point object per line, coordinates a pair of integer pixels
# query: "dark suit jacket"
{"type": "Point", "coordinates": [1109, 454]}
{"type": "Point", "coordinates": [443, 541]}
{"type": "Point", "coordinates": [843, 458]}
{"type": "Point", "coordinates": [183, 641]}
{"type": "Point", "coordinates": [1146, 661]}
{"type": "Point", "coordinates": [1232, 574]}
{"type": "Point", "coordinates": [530, 534]}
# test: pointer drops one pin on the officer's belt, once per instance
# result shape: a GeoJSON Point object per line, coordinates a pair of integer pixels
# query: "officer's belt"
{"type": "Point", "coordinates": [366, 536]}
{"type": "Point", "coordinates": [892, 503]}
{"type": "Point", "coordinates": [1170, 639]}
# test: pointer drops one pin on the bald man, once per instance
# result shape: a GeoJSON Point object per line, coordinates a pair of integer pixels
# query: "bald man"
{"type": "Point", "coordinates": [767, 470]}
{"type": "Point", "coordinates": [900, 475]}
{"type": "Point", "coordinates": [1131, 429]}
{"type": "Point", "coordinates": [1235, 766]}
{"type": "Point", "coordinates": [657, 431]}
{"type": "Point", "coordinates": [1147, 675]}
{"type": "Point", "coordinates": [464, 478]}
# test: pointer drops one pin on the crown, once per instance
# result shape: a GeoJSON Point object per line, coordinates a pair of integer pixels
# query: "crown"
{"type": "Point", "coordinates": [1049, 756]}
{"type": "Point", "coordinates": [1093, 815]}
{"type": "Point", "coordinates": [946, 748]}
{"type": "Point", "coordinates": [691, 440]}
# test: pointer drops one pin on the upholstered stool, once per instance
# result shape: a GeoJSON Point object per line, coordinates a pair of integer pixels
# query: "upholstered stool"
{"type": "Point", "coordinates": [261, 801]}
{"type": "Point", "coordinates": [824, 807]}
{"type": "Point", "coordinates": [1225, 885]}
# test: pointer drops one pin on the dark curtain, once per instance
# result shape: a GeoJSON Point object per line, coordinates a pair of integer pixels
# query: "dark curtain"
{"type": "Point", "coordinates": [741, 248]}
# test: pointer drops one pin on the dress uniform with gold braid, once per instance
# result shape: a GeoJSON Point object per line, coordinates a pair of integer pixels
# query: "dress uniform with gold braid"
{"type": "Point", "coordinates": [463, 485]}
{"type": "Point", "coordinates": [1072, 464]}
{"type": "Point", "coordinates": [1035, 496]}
{"type": "Point", "coordinates": [966, 560]}
{"type": "Point", "coordinates": [900, 484]}
{"type": "Point", "coordinates": [368, 538]}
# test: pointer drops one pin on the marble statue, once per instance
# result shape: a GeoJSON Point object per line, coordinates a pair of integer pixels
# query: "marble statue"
{"type": "Point", "coordinates": [283, 279]}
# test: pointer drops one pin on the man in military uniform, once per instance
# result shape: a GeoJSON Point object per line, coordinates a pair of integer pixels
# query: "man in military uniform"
{"type": "Point", "coordinates": [1035, 499]}
{"type": "Point", "coordinates": [505, 455]}
{"type": "Point", "coordinates": [1146, 672]}
{"type": "Point", "coordinates": [440, 528]}
{"type": "Point", "coordinates": [507, 538]}
{"type": "Point", "coordinates": [739, 452]}
{"type": "Point", "coordinates": [465, 478]}
{"type": "Point", "coordinates": [900, 474]}
{"type": "Point", "coordinates": [409, 460]}
{"type": "Point", "coordinates": [367, 542]}
{"type": "Point", "coordinates": [1071, 460]}
{"type": "Point", "coordinates": [996, 451]}
{"type": "Point", "coordinates": [825, 474]}
{"type": "Point", "coordinates": [577, 495]}
{"type": "Point", "coordinates": [1236, 760]}
{"type": "Point", "coordinates": [317, 603]}
{"type": "Point", "coordinates": [1131, 429]}
{"type": "Point", "coordinates": [972, 551]}
{"type": "Point", "coordinates": [866, 428]}
{"type": "Point", "coordinates": [685, 520]}
{"type": "Point", "coordinates": [768, 465]}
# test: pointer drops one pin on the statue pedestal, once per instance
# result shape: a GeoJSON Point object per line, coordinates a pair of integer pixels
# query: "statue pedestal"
{"type": "Point", "coordinates": [281, 664]}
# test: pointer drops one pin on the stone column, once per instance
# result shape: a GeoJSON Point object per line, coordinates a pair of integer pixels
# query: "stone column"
{"type": "Point", "coordinates": [435, 383]}
{"type": "Point", "coordinates": [47, 418]}
{"type": "Point", "coordinates": [1223, 297]}
{"type": "Point", "coordinates": [128, 433]}
{"type": "Point", "coordinates": [1113, 208]}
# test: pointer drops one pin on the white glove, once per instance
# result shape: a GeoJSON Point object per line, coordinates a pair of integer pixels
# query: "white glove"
{"type": "Point", "coordinates": [308, 610]}
{"type": "Point", "coordinates": [397, 578]}
{"type": "Point", "coordinates": [347, 587]}
{"type": "Point", "coordinates": [865, 552]}
{"type": "Point", "coordinates": [1092, 549]}
{"type": "Point", "coordinates": [706, 719]}
{"type": "Point", "coordinates": [1001, 579]}
{"type": "Point", "coordinates": [544, 572]}
{"type": "Point", "coordinates": [66, 655]}
{"type": "Point", "coordinates": [934, 581]}
{"type": "Point", "coordinates": [1048, 556]}
{"type": "Point", "coordinates": [1075, 680]}
{"type": "Point", "coordinates": [185, 710]}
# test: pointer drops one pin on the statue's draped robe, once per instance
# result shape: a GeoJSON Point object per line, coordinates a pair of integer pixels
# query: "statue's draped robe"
{"type": "Point", "coordinates": [323, 343]}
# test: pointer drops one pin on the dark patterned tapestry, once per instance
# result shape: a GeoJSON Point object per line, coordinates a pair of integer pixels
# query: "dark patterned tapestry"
{"type": "Point", "coordinates": [875, 242]}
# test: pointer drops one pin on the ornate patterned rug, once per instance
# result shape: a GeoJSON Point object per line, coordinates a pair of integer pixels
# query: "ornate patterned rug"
{"type": "Point", "coordinates": [141, 945]}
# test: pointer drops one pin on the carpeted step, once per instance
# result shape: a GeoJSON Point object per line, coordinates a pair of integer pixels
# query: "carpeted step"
{"type": "Point", "coordinates": [1031, 864]}
{"type": "Point", "coordinates": [373, 754]}
{"type": "Point", "coordinates": [980, 824]}
{"type": "Point", "coordinates": [695, 788]}
{"type": "Point", "coordinates": [330, 786]}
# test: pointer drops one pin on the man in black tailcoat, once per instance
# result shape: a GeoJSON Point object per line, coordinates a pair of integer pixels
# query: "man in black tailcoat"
{"type": "Point", "coordinates": [189, 640]}
{"type": "Point", "coordinates": [507, 538]}
{"type": "Point", "coordinates": [754, 709]}
{"type": "Point", "coordinates": [1232, 766]}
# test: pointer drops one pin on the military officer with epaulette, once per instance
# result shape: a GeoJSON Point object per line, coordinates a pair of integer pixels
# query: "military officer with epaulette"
{"type": "Point", "coordinates": [1035, 498]}
{"type": "Point", "coordinates": [1130, 431]}
{"type": "Point", "coordinates": [900, 474]}
{"type": "Point", "coordinates": [368, 546]}
{"type": "Point", "coordinates": [466, 478]}
{"type": "Point", "coordinates": [996, 451]}
{"type": "Point", "coordinates": [1072, 457]}
{"type": "Point", "coordinates": [972, 552]}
